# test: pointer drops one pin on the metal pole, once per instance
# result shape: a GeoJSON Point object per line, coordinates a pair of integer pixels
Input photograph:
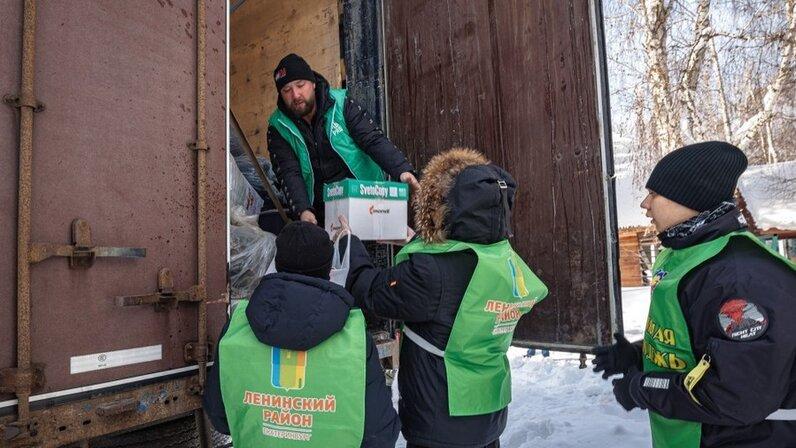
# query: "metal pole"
{"type": "Point", "coordinates": [201, 210]}
{"type": "Point", "coordinates": [27, 103]}
{"type": "Point", "coordinates": [244, 142]}
{"type": "Point", "coordinates": [201, 180]}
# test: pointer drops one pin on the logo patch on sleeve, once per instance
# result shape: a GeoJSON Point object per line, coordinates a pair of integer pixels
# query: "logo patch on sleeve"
{"type": "Point", "coordinates": [741, 320]}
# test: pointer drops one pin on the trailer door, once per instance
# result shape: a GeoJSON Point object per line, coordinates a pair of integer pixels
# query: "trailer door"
{"type": "Point", "coordinates": [114, 254]}
{"type": "Point", "coordinates": [522, 81]}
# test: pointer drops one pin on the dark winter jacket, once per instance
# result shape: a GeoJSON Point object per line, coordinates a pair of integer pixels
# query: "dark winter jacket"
{"type": "Point", "coordinates": [278, 314]}
{"type": "Point", "coordinates": [747, 380]}
{"type": "Point", "coordinates": [326, 164]}
{"type": "Point", "coordinates": [426, 292]}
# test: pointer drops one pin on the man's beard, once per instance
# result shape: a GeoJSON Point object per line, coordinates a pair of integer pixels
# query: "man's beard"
{"type": "Point", "coordinates": [302, 111]}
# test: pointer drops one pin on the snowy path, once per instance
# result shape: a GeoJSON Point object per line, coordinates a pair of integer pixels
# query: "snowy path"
{"type": "Point", "coordinates": [557, 405]}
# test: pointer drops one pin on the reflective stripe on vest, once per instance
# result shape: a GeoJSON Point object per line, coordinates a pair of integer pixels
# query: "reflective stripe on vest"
{"type": "Point", "coordinates": [783, 415]}
{"type": "Point", "coordinates": [422, 343]}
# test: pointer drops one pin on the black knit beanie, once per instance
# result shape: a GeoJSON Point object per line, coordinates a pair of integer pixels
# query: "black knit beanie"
{"type": "Point", "coordinates": [291, 68]}
{"type": "Point", "coordinates": [304, 248]}
{"type": "Point", "coordinates": [699, 176]}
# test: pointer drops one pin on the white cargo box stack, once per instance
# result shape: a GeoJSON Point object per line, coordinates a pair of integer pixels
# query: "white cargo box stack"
{"type": "Point", "coordinates": [375, 210]}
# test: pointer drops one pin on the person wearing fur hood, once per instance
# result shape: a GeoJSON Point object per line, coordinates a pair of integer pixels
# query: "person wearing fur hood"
{"type": "Point", "coordinates": [460, 289]}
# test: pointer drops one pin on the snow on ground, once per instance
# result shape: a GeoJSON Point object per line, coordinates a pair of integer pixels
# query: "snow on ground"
{"type": "Point", "coordinates": [557, 405]}
{"type": "Point", "coordinates": [770, 194]}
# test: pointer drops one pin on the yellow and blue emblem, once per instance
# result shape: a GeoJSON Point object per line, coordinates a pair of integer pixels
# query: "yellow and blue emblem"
{"type": "Point", "coordinates": [519, 290]}
{"type": "Point", "coordinates": [288, 368]}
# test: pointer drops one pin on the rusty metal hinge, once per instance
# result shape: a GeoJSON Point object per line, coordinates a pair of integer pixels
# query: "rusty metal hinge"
{"type": "Point", "coordinates": [165, 297]}
{"type": "Point", "coordinates": [198, 146]}
{"type": "Point", "coordinates": [14, 380]}
{"type": "Point", "coordinates": [117, 407]}
{"type": "Point", "coordinates": [19, 434]}
{"type": "Point", "coordinates": [193, 352]}
{"type": "Point", "coordinates": [16, 102]}
{"type": "Point", "coordinates": [194, 388]}
{"type": "Point", "coordinates": [82, 252]}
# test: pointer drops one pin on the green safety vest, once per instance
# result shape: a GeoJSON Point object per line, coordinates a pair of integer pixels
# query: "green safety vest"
{"type": "Point", "coordinates": [501, 290]}
{"type": "Point", "coordinates": [667, 344]}
{"type": "Point", "coordinates": [358, 162]}
{"type": "Point", "coordinates": [284, 398]}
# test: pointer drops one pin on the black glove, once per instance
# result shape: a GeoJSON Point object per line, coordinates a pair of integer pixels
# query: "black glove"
{"type": "Point", "coordinates": [626, 390]}
{"type": "Point", "coordinates": [617, 358]}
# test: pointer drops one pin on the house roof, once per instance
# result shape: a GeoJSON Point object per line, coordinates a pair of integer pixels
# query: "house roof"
{"type": "Point", "coordinates": [768, 197]}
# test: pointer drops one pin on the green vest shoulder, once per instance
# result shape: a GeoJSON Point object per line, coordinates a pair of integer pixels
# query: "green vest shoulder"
{"type": "Point", "coordinates": [360, 164]}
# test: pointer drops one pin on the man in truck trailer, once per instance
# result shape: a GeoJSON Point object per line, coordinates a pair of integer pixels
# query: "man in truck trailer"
{"type": "Point", "coordinates": [460, 289]}
{"type": "Point", "coordinates": [318, 135]}
{"type": "Point", "coordinates": [294, 365]}
{"type": "Point", "coordinates": [716, 367]}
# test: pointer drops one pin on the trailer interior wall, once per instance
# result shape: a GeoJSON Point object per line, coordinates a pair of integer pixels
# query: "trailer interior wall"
{"type": "Point", "coordinates": [518, 80]}
{"type": "Point", "coordinates": [264, 31]}
{"type": "Point", "coordinates": [120, 86]}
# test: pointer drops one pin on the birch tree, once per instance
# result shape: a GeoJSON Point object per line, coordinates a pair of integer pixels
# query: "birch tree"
{"type": "Point", "coordinates": [683, 71]}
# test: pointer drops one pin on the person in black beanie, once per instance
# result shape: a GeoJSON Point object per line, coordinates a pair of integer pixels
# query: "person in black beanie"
{"type": "Point", "coordinates": [717, 365]}
{"type": "Point", "coordinates": [319, 134]}
{"type": "Point", "coordinates": [298, 310]}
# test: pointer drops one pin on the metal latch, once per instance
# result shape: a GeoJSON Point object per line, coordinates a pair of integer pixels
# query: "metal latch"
{"type": "Point", "coordinates": [166, 297]}
{"type": "Point", "coordinates": [195, 352]}
{"type": "Point", "coordinates": [17, 433]}
{"type": "Point", "coordinates": [14, 380]}
{"type": "Point", "coordinates": [82, 252]}
{"type": "Point", "coordinates": [117, 407]}
{"type": "Point", "coordinates": [16, 102]}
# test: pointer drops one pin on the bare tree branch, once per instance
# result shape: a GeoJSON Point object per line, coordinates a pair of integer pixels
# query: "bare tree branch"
{"type": "Point", "coordinates": [749, 130]}
{"type": "Point", "coordinates": [665, 118]}
{"type": "Point", "coordinates": [703, 35]}
{"type": "Point", "coordinates": [725, 113]}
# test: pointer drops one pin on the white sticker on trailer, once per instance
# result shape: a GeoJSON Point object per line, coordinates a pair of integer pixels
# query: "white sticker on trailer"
{"type": "Point", "coordinates": [116, 358]}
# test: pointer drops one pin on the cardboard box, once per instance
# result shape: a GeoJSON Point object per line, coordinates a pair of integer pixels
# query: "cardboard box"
{"type": "Point", "coordinates": [375, 210]}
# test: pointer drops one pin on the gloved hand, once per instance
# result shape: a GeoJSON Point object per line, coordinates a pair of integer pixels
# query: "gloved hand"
{"type": "Point", "coordinates": [617, 358]}
{"type": "Point", "coordinates": [626, 390]}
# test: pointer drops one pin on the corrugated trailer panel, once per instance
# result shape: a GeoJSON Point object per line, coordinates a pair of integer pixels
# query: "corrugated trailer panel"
{"type": "Point", "coordinates": [119, 83]}
{"type": "Point", "coordinates": [518, 80]}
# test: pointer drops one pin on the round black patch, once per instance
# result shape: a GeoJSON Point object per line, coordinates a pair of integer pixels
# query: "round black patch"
{"type": "Point", "coordinates": [742, 320]}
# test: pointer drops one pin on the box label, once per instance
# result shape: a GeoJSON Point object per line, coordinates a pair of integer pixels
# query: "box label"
{"type": "Point", "coordinates": [352, 188]}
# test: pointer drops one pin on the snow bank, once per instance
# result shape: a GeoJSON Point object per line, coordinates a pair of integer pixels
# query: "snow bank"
{"type": "Point", "coordinates": [770, 195]}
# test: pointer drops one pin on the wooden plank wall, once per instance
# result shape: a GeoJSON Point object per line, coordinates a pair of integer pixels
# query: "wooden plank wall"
{"type": "Point", "coordinates": [515, 79]}
{"type": "Point", "coordinates": [629, 258]}
{"type": "Point", "coordinates": [264, 31]}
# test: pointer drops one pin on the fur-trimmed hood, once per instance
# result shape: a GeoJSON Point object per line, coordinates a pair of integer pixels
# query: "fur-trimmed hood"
{"type": "Point", "coordinates": [464, 197]}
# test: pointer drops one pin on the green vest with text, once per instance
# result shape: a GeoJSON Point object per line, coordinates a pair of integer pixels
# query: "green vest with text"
{"type": "Point", "coordinates": [501, 290]}
{"type": "Point", "coordinates": [358, 162]}
{"type": "Point", "coordinates": [667, 343]}
{"type": "Point", "coordinates": [285, 398]}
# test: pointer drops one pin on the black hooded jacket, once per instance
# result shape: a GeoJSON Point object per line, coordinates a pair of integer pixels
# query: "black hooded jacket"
{"type": "Point", "coordinates": [297, 312]}
{"type": "Point", "coordinates": [425, 292]}
{"type": "Point", "coordinates": [749, 379]}
{"type": "Point", "coordinates": [326, 164]}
